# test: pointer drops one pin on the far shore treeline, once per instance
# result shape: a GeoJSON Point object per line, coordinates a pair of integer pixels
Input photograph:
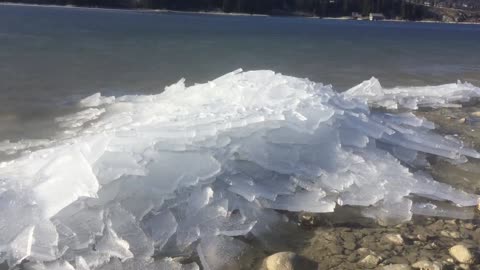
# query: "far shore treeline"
{"type": "Point", "coordinates": [393, 9]}
{"type": "Point", "coordinates": [441, 10]}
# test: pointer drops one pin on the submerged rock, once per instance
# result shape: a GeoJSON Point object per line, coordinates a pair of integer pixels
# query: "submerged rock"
{"type": "Point", "coordinates": [370, 261]}
{"type": "Point", "coordinates": [288, 261]}
{"type": "Point", "coordinates": [395, 239]}
{"type": "Point", "coordinates": [427, 265]}
{"type": "Point", "coordinates": [397, 267]}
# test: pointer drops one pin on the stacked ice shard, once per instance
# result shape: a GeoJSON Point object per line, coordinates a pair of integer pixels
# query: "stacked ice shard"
{"type": "Point", "coordinates": [184, 171]}
{"type": "Point", "coordinates": [447, 95]}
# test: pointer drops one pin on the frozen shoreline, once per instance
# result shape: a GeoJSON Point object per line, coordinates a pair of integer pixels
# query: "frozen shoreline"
{"type": "Point", "coordinates": [193, 167]}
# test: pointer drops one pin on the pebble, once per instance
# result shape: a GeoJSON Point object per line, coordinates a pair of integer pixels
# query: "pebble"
{"type": "Point", "coordinates": [422, 237]}
{"type": "Point", "coordinates": [288, 261]}
{"type": "Point", "coordinates": [451, 221]}
{"type": "Point", "coordinates": [370, 261]}
{"type": "Point", "coordinates": [364, 251]}
{"type": "Point", "coordinates": [461, 254]}
{"type": "Point", "coordinates": [475, 114]}
{"type": "Point", "coordinates": [350, 245]}
{"type": "Point", "coordinates": [451, 234]}
{"type": "Point", "coordinates": [462, 120]}
{"type": "Point", "coordinates": [394, 238]}
{"type": "Point", "coordinates": [397, 267]}
{"type": "Point", "coordinates": [427, 265]}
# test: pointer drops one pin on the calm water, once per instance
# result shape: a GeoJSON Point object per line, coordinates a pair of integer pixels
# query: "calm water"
{"type": "Point", "coordinates": [50, 57]}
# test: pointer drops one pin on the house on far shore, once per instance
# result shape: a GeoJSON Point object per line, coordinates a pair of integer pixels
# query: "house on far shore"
{"type": "Point", "coordinates": [376, 17]}
{"type": "Point", "coordinates": [356, 16]}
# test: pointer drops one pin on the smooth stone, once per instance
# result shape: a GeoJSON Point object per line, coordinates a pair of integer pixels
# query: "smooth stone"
{"type": "Point", "coordinates": [397, 267]}
{"type": "Point", "coordinates": [461, 120]}
{"type": "Point", "coordinates": [288, 261]}
{"type": "Point", "coordinates": [451, 234]}
{"type": "Point", "coordinates": [398, 260]}
{"type": "Point", "coordinates": [427, 265]}
{"type": "Point", "coordinates": [422, 237]}
{"type": "Point", "coordinates": [364, 251]}
{"type": "Point", "coordinates": [334, 248]}
{"type": "Point", "coordinates": [451, 221]}
{"type": "Point", "coordinates": [370, 261]}
{"type": "Point", "coordinates": [461, 254]}
{"type": "Point", "coordinates": [350, 246]}
{"type": "Point", "coordinates": [394, 238]}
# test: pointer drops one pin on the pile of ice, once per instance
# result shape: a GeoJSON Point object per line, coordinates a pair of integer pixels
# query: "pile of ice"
{"type": "Point", "coordinates": [185, 171]}
{"type": "Point", "coordinates": [447, 95]}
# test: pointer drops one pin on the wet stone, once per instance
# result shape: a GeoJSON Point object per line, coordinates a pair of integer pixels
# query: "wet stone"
{"type": "Point", "coordinates": [398, 260]}
{"type": "Point", "coordinates": [397, 267]}
{"type": "Point", "coordinates": [288, 261]}
{"type": "Point", "coordinates": [370, 261]}
{"type": "Point", "coordinates": [393, 238]}
{"type": "Point", "coordinates": [451, 234]}
{"type": "Point", "coordinates": [334, 248]}
{"type": "Point", "coordinates": [350, 245]}
{"type": "Point", "coordinates": [462, 254]}
{"type": "Point", "coordinates": [427, 265]}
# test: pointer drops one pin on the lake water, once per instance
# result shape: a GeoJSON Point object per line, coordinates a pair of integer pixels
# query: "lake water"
{"type": "Point", "coordinates": [50, 57]}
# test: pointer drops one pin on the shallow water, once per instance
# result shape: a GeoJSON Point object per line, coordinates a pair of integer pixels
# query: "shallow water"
{"type": "Point", "coordinates": [50, 56]}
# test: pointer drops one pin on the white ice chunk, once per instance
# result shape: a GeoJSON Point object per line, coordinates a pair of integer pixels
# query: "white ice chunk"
{"type": "Point", "coordinates": [45, 242]}
{"type": "Point", "coordinates": [128, 229]}
{"type": "Point", "coordinates": [163, 264]}
{"type": "Point", "coordinates": [412, 97]}
{"type": "Point", "coordinates": [447, 211]}
{"type": "Point", "coordinates": [57, 265]}
{"type": "Point", "coordinates": [21, 247]}
{"type": "Point", "coordinates": [161, 227]}
{"type": "Point", "coordinates": [112, 245]}
{"type": "Point", "coordinates": [220, 252]}
{"type": "Point", "coordinates": [81, 264]}
{"type": "Point", "coordinates": [96, 100]}
{"type": "Point", "coordinates": [79, 119]}
{"type": "Point", "coordinates": [69, 176]}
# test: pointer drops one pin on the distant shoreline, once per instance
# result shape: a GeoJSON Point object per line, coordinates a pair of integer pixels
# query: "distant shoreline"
{"type": "Point", "coordinates": [219, 13]}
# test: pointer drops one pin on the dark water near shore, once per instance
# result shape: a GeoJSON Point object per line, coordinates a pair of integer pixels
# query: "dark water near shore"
{"type": "Point", "coordinates": [50, 56]}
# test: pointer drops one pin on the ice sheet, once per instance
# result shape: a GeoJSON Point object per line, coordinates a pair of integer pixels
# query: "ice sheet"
{"type": "Point", "coordinates": [190, 168]}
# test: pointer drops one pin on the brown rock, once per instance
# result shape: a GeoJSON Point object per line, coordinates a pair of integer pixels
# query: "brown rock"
{"type": "Point", "coordinates": [349, 245]}
{"type": "Point", "coordinates": [398, 260]}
